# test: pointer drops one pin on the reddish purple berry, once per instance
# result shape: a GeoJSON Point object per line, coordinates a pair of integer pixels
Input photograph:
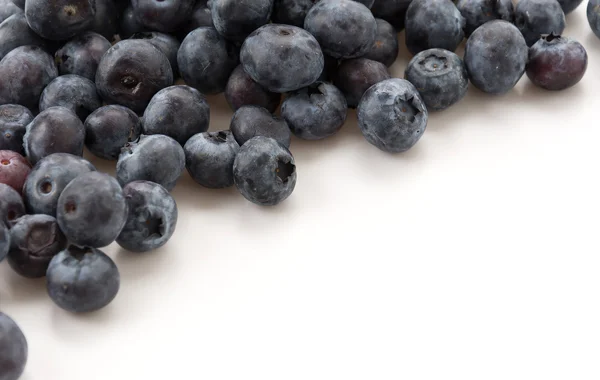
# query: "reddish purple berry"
{"type": "Point", "coordinates": [14, 169]}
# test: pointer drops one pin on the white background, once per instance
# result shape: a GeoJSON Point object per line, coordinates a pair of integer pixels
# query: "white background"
{"type": "Point", "coordinates": [473, 256]}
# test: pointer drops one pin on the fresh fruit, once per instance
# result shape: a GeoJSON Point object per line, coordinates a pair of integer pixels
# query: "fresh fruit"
{"type": "Point", "coordinates": [13, 123]}
{"type": "Point", "coordinates": [535, 18]}
{"type": "Point", "coordinates": [60, 19]}
{"type": "Point", "coordinates": [74, 92]}
{"type": "Point", "coordinates": [14, 169]}
{"type": "Point", "coordinates": [109, 128]}
{"type": "Point", "coordinates": [478, 12]}
{"type": "Point", "coordinates": [162, 16]}
{"type": "Point", "coordinates": [81, 55]}
{"type": "Point", "coordinates": [11, 205]}
{"type": "Point", "coordinates": [13, 349]}
{"type": "Point", "coordinates": [385, 47]}
{"type": "Point", "coordinates": [354, 76]}
{"type": "Point", "coordinates": [251, 121]}
{"type": "Point", "coordinates": [209, 158]}
{"type": "Point", "coordinates": [242, 90]}
{"type": "Point", "coordinates": [236, 19]}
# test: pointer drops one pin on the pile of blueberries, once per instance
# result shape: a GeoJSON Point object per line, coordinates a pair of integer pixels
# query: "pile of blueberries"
{"type": "Point", "coordinates": [100, 74]}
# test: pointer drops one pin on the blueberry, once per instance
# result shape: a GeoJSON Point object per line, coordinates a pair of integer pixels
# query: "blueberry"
{"type": "Point", "coordinates": [34, 241]}
{"type": "Point", "coordinates": [60, 19]}
{"type": "Point", "coordinates": [54, 130]}
{"type": "Point", "coordinates": [478, 12]}
{"type": "Point", "coordinates": [569, 6]}
{"type": "Point", "coordinates": [315, 112]}
{"type": "Point", "coordinates": [355, 76]}
{"type": "Point", "coordinates": [15, 32]}
{"type": "Point", "coordinates": [25, 71]}
{"type": "Point", "coordinates": [251, 121]}
{"type": "Point", "coordinates": [163, 15]}
{"type": "Point", "coordinates": [392, 11]}
{"type": "Point", "coordinates": [291, 12]}
{"type": "Point", "coordinates": [166, 43]}
{"type": "Point", "coordinates": [440, 76]}
{"type": "Point", "coordinates": [495, 57]}
{"type": "Point", "coordinates": [206, 60]}
{"type": "Point", "coordinates": [109, 128]}
{"type": "Point", "coordinates": [14, 169]}
{"type": "Point", "coordinates": [7, 9]}
{"type": "Point", "coordinates": [556, 63]}
{"type": "Point", "coordinates": [264, 171]}
{"type": "Point", "coordinates": [81, 55]}
{"type": "Point", "coordinates": [392, 116]}
{"type": "Point", "coordinates": [236, 19]}
{"type": "Point", "coordinates": [329, 69]}
{"type": "Point", "coordinates": [242, 90]}
{"type": "Point", "coordinates": [593, 16]}
{"type": "Point", "coordinates": [156, 158]}
{"type": "Point", "coordinates": [537, 17]}
{"type": "Point", "coordinates": [344, 28]}
{"type": "Point", "coordinates": [91, 210]}
{"type": "Point", "coordinates": [13, 122]}
{"type": "Point", "coordinates": [200, 17]}
{"type": "Point", "coordinates": [385, 46]}
{"type": "Point", "coordinates": [152, 217]}
{"type": "Point", "coordinates": [209, 158]}
{"type": "Point", "coordinates": [282, 58]}
{"type": "Point", "coordinates": [131, 72]}
{"type": "Point", "coordinates": [13, 349]}
{"type": "Point", "coordinates": [129, 24]}
{"type": "Point", "coordinates": [74, 92]}
{"type": "Point", "coordinates": [48, 179]}
{"type": "Point", "coordinates": [433, 24]}
{"type": "Point", "coordinates": [4, 241]}
{"type": "Point", "coordinates": [106, 20]}
{"type": "Point", "coordinates": [11, 205]}
{"type": "Point", "coordinates": [178, 112]}
{"type": "Point", "coordinates": [81, 280]}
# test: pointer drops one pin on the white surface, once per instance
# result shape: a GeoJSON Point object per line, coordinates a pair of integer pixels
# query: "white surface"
{"type": "Point", "coordinates": [473, 256]}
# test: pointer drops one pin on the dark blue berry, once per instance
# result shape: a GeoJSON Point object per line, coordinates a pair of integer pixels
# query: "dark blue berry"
{"type": "Point", "coordinates": [535, 18]}
{"type": "Point", "coordinates": [354, 76]}
{"type": "Point", "coordinates": [385, 46]}
{"type": "Point", "coordinates": [91, 210]}
{"type": "Point", "coordinates": [13, 122]}
{"type": "Point", "coordinates": [209, 158]}
{"type": "Point", "coordinates": [478, 12]}
{"type": "Point", "coordinates": [74, 92]}
{"type": "Point", "coordinates": [81, 280]}
{"type": "Point", "coordinates": [236, 19]}
{"type": "Point", "coordinates": [152, 217]}
{"type": "Point", "coordinates": [60, 19]}
{"type": "Point", "coordinates": [433, 24]}
{"type": "Point", "coordinates": [163, 15]}
{"type": "Point", "coordinates": [7, 9]}
{"type": "Point", "coordinates": [106, 20]}
{"type": "Point", "coordinates": [109, 128]}
{"type": "Point", "coordinates": [15, 32]}
{"type": "Point", "coordinates": [129, 24]}
{"type": "Point", "coordinates": [251, 121]}
{"type": "Point", "coordinates": [569, 6]}
{"type": "Point", "coordinates": [4, 241]}
{"type": "Point", "coordinates": [13, 349]}
{"type": "Point", "coordinates": [200, 17]}
{"type": "Point", "coordinates": [593, 16]}
{"type": "Point", "coordinates": [81, 55]}
{"type": "Point", "coordinates": [11, 205]}
{"type": "Point", "coordinates": [242, 90]}
{"type": "Point", "coordinates": [392, 116]}
{"type": "Point", "coordinates": [166, 43]}
{"type": "Point", "coordinates": [392, 11]}
{"type": "Point", "coordinates": [264, 171]}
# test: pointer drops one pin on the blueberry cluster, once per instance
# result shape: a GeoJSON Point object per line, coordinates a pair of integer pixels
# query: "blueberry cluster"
{"type": "Point", "coordinates": [101, 75]}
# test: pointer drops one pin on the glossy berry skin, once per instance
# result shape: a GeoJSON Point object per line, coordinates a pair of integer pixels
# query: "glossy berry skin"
{"type": "Point", "coordinates": [209, 158]}
{"type": "Point", "coordinates": [129, 24]}
{"type": "Point", "coordinates": [440, 76]}
{"type": "Point", "coordinates": [593, 16]}
{"type": "Point", "coordinates": [91, 210]}
{"type": "Point", "coordinates": [81, 55]}
{"type": "Point", "coordinates": [74, 92]}
{"type": "Point", "coordinates": [131, 72]}
{"type": "Point", "coordinates": [109, 128]}
{"type": "Point", "coordinates": [282, 58]}
{"type": "Point", "coordinates": [385, 46]}
{"type": "Point", "coordinates": [14, 169]}
{"type": "Point", "coordinates": [13, 122]}
{"type": "Point", "coordinates": [264, 171]}
{"type": "Point", "coordinates": [556, 63]}
{"type": "Point", "coordinates": [13, 349]}
{"type": "Point", "coordinates": [354, 76]}
{"type": "Point", "coordinates": [4, 241]}
{"type": "Point", "coordinates": [62, 19]}
{"type": "Point", "coordinates": [81, 280]}
{"type": "Point", "coordinates": [315, 112]}
{"type": "Point", "coordinates": [392, 11]}
{"type": "Point", "coordinates": [178, 112]}
{"type": "Point", "coordinates": [251, 121]}
{"type": "Point", "coordinates": [55, 130]}
{"type": "Point", "coordinates": [15, 32]}
{"type": "Point", "coordinates": [166, 43]}
{"type": "Point", "coordinates": [106, 20]}
{"type": "Point", "coordinates": [236, 19]}
{"type": "Point", "coordinates": [495, 57]}
{"type": "Point", "coordinates": [156, 158]}
{"type": "Point", "coordinates": [164, 15]}
{"type": "Point", "coordinates": [478, 12]}
{"type": "Point", "coordinates": [569, 6]}
{"type": "Point", "coordinates": [344, 28]}
{"type": "Point", "coordinates": [206, 60]}
{"type": "Point", "coordinates": [535, 18]}
{"type": "Point", "coordinates": [34, 241]}
{"type": "Point", "coordinates": [152, 217]}
{"type": "Point", "coordinates": [392, 116]}
{"type": "Point", "coordinates": [199, 18]}
{"type": "Point", "coordinates": [242, 90]}
{"type": "Point", "coordinates": [25, 72]}
{"type": "Point", "coordinates": [433, 24]}
{"type": "Point", "coordinates": [48, 179]}
{"type": "Point", "coordinates": [11, 205]}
